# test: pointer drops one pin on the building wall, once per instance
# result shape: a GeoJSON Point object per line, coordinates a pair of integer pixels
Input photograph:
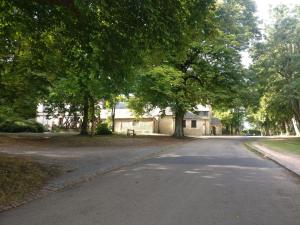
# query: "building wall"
{"type": "Point", "coordinates": [59, 120]}
{"type": "Point", "coordinates": [47, 123]}
{"type": "Point", "coordinates": [146, 126]}
{"type": "Point", "coordinates": [149, 124]}
{"type": "Point", "coordinates": [218, 129]}
{"type": "Point", "coordinates": [207, 127]}
{"type": "Point", "coordinates": [50, 123]}
{"type": "Point", "coordinates": [202, 127]}
{"type": "Point", "coordinates": [156, 124]}
{"type": "Point", "coordinates": [166, 125]}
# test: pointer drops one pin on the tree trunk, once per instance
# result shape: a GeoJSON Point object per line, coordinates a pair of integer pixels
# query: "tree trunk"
{"type": "Point", "coordinates": [92, 116]}
{"type": "Point", "coordinates": [296, 110]}
{"type": "Point", "coordinates": [227, 129]}
{"type": "Point", "coordinates": [178, 132]}
{"type": "Point", "coordinates": [85, 120]}
{"type": "Point", "coordinates": [262, 131]}
{"type": "Point", "coordinates": [286, 125]}
{"type": "Point", "coordinates": [296, 128]}
{"type": "Point", "coordinates": [267, 128]}
{"type": "Point", "coordinates": [113, 110]}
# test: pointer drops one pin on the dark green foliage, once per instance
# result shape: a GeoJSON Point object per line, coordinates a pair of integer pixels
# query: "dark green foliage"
{"type": "Point", "coordinates": [15, 125]}
{"type": "Point", "coordinates": [27, 56]}
{"type": "Point", "coordinates": [88, 49]}
{"type": "Point", "coordinates": [78, 52]}
{"type": "Point", "coordinates": [252, 132]}
{"type": "Point", "coordinates": [102, 129]}
{"type": "Point", "coordinates": [277, 69]}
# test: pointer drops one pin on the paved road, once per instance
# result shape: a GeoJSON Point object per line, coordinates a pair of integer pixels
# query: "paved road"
{"type": "Point", "coordinates": [204, 182]}
{"type": "Point", "coordinates": [83, 158]}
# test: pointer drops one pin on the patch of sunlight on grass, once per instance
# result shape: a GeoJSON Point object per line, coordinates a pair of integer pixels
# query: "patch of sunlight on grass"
{"type": "Point", "coordinates": [291, 145]}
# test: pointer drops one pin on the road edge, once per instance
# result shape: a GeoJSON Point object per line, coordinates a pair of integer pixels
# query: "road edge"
{"type": "Point", "coordinates": [263, 154]}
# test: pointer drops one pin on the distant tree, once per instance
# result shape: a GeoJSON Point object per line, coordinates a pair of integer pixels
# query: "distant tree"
{"type": "Point", "coordinates": [232, 119]}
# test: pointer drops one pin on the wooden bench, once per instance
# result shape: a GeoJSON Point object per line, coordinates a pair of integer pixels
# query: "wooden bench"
{"type": "Point", "coordinates": [130, 132]}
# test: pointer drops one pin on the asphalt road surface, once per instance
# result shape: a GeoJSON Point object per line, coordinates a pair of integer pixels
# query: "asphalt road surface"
{"type": "Point", "coordinates": [203, 182]}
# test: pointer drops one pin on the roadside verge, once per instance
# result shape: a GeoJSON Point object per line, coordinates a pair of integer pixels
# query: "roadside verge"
{"type": "Point", "coordinates": [289, 161]}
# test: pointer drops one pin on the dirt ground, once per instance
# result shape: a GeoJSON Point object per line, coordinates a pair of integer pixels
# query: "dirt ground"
{"type": "Point", "coordinates": [73, 140]}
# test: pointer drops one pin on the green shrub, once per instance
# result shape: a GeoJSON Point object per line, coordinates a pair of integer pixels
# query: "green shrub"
{"type": "Point", "coordinates": [2, 118]}
{"type": "Point", "coordinates": [15, 125]}
{"type": "Point", "coordinates": [6, 113]}
{"type": "Point", "coordinates": [102, 129]}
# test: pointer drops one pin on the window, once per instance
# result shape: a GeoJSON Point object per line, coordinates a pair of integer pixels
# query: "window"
{"type": "Point", "coordinates": [184, 123]}
{"type": "Point", "coordinates": [205, 113]}
{"type": "Point", "coordinates": [194, 124]}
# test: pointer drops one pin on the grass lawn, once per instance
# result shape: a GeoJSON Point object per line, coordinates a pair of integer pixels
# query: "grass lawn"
{"type": "Point", "coordinates": [291, 145]}
{"type": "Point", "coordinates": [21, 177]}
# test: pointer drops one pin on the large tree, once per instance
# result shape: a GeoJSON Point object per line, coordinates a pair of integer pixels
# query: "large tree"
{"type": "Point", "coordinates": [208, 71]}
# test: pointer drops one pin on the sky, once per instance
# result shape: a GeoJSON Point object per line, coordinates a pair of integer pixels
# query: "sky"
{"type": "Point", "coordinates": [263, 7]}
{"type": "Point", "coordinates": [263, 13]}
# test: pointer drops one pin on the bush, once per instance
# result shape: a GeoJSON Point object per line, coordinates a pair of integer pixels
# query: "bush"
{"type": "Point", "coordinates": [102, 129]}
{"type": "Point", "coordinates": [3, 118]}
{"type": "Point", "coordinates": [16, 125]}
{"type": "Point", "coordinates": [5, 114]}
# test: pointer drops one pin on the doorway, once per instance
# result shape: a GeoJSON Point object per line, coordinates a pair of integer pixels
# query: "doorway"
{"type": "Point", "coordinates": [214, 130]}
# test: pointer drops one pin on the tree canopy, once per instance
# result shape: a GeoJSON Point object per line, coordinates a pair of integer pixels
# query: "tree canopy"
{"type": "Point", "coordinates": [84, 48]}
{"type": "Point", "coordinates": [210, 71]}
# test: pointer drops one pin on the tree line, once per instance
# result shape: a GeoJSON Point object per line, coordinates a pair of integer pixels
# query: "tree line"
{"type": "Point", "coordinates": [276, 74]}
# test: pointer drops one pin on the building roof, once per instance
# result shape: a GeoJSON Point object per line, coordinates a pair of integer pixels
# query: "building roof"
{"type": "Point", "coordinates": [200, 115]}
{"type": "Point", "coordinates": [123, 112]}
{"type": "Point", "coordinates": [215, 121]}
